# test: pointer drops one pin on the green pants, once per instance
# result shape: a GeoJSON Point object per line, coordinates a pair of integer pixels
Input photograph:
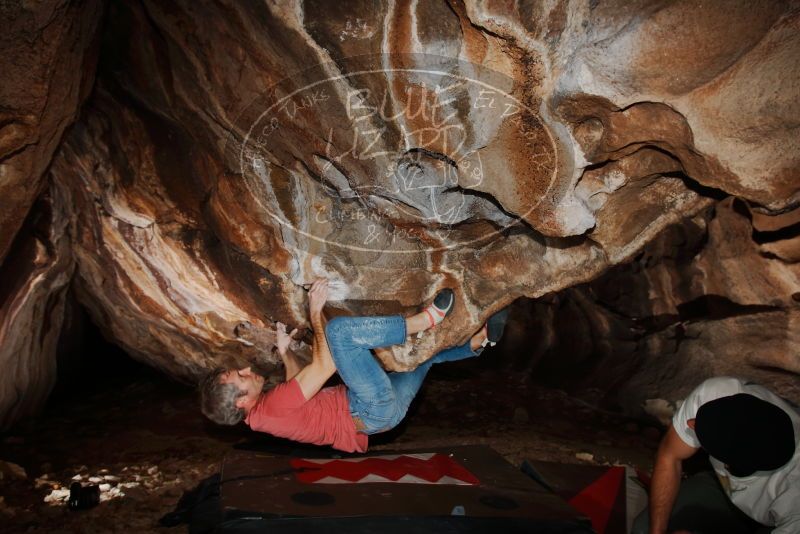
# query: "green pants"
{"type": "Point", "coordinates": [702, 507]}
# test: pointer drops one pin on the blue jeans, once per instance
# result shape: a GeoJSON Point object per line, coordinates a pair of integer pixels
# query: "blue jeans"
{"type": "Point", "coordinates": [379, 399]}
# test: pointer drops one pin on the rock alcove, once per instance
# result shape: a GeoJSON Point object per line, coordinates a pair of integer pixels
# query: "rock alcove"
{"type": "Point", "coordinates": [626, 173]}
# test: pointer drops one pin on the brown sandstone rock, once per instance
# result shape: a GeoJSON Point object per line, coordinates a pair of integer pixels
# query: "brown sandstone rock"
{"type": "Point", "coordinates": [47, 60]}
{"type": "Point", "coordinates": [704, 298]}
{"type": "Point", "coordinates": [231, 152]}
{"type": "Point", "coordinates": [47, 57]}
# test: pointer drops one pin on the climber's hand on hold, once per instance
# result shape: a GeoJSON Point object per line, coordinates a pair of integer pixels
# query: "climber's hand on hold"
{"type": "Point", "coordinates": [284, 339]}
{"type": "Point", "coordinates": [317, 296]}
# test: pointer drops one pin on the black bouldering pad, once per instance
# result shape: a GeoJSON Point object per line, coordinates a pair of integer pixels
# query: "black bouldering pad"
{"type": "Point", "coordinates": [460, 489]}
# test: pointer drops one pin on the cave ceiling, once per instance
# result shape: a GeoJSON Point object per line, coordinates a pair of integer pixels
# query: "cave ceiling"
{"type": "Point", "coordinates": [182, 169]}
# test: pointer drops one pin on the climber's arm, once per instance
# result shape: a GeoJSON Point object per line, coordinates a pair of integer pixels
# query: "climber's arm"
{"type": "Point", "coordinates": [313, 376]}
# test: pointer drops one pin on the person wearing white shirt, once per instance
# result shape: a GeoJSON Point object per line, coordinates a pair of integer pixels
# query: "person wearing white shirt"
{"type": "Point", "coordinates": [751, 436]}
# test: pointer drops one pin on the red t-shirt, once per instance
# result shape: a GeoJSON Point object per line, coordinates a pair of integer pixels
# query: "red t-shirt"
{"type": "Point", "coordinates": [324, 419]}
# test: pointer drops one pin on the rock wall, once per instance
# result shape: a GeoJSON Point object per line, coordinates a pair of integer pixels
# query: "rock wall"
{"type": "Point", "coordinates": [231, 152]}
{"type": "Point", "coordinates": [48, 51]}
{"type": "Point", "coordinates": [48, 55]}
{"type": "Point", "coordinates": [706, 297]}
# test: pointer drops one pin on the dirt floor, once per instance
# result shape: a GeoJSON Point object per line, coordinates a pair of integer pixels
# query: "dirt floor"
{"type": "Point", "coordinates": [144, 437]}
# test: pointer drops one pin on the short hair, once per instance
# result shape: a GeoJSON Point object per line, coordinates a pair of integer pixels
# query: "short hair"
{"type": "Point", "coordinates": [218, 400]}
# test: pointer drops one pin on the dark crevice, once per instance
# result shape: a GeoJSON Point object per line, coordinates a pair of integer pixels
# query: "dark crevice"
{"type": "Point", "coordinates": [431, 154]}
{"type": "Point", "coordinates": [715, 307]}
{"type": "Point", "coordinates": [18, 150]}
{"type": "Point", "coordinates": [22, 253]}
{"type": "Point", "coordinates": [650, 146]}
{"type": "Point", "coordinates": [773, 256]}
{"type": "Point", "coordinates": [769, 236]}
{"type": "Point", "coordinates": [327, 188]}
{"type": "Point", "coordinates": [697, 187]}
{"type": "Point", "coordinates": [703, 308]}
{"type": "Point", "coordinates": [492, 200]}
{"type": "Point", "coordinates": [691, 183]}
{"type": "Point", "coordinates": [739, 207]}
{"type": "Point", "coordinates": [595, 166]}
{"type": "Point", "coordinates": [775, 370]}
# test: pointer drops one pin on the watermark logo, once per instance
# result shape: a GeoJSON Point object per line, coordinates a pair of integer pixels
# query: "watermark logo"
{"type": "Point", "coordinates": [398, 156]}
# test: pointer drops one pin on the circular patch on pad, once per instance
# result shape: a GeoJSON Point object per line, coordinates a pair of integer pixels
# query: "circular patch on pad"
{"type": "Point", "coordinates": [498, 502]}
{"type": "Point", "coordinates": [313, 498]}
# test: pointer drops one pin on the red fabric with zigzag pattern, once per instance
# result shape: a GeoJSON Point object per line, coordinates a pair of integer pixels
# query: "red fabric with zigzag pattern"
{"type": "Point", "coordinates": [429, 470]}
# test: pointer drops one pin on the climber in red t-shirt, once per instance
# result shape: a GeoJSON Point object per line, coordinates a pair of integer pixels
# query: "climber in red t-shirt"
{"type": "Point", "coordinates": [371, 400]}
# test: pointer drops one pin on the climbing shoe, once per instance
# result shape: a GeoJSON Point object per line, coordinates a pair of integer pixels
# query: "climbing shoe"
{"type": "Point", "coordinates": [442, 305]}
{"type": "Point", "coordinates": [495, 326]}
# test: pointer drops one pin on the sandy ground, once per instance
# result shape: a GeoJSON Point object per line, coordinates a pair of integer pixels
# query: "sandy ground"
{"type": "Point", "coordinates": [146, 439]}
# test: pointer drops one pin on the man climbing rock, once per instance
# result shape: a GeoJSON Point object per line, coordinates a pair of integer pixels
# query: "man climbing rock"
{"type": "Point", "coordinates": [371, 400]}
{"type": "Point", "coordinates": [751, 436]}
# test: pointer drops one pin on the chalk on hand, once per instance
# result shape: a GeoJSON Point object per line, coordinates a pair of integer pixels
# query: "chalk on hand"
{"type": "Point", "coordinates": [337, 289]}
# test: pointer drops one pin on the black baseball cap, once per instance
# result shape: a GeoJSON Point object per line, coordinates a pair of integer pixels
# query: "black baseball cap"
{"type": "Point", "coordinates": [746, 433]}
